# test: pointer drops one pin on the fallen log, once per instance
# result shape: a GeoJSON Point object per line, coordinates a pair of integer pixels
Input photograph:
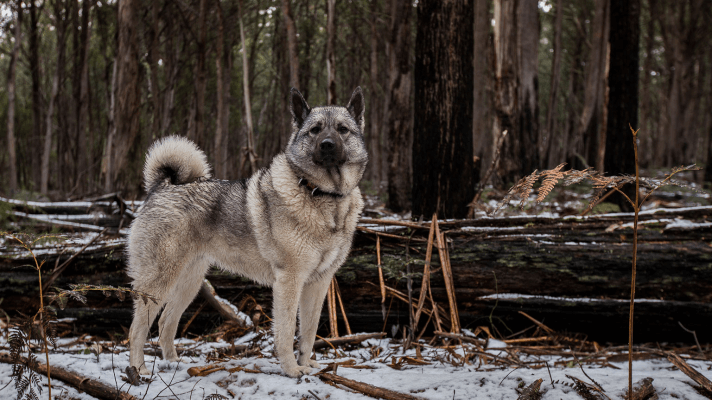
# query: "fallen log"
{"type": "Point", "coordinates": [81, 383]}
{"type": "Point", "coordinates": [689, 371]}
{"type": "Point", "coordinates": [366, 389]}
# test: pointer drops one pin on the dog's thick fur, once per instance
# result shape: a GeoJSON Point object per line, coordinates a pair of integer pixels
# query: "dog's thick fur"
{"type": "Point", "coordinates": [289, 227]}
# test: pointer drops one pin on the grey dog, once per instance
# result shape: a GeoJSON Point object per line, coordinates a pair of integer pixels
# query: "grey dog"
{"type": "Point", "coordinates": [289, 226]}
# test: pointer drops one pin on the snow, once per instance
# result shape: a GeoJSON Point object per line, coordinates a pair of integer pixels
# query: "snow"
{"type": "Point", "coordinates": [683, 224]}
{"type": "Point", "coordinates": [515, 296]}
{"type": "Point", "coordinates": [438, 380]}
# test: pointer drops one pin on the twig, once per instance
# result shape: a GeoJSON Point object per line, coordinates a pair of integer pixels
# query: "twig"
{"type": "Point", "coordinates": [381, 281]}
{"type": "Point", "coordinates": [363, 229]}
{"type": "Point", "coordinates": [694, 334]}
{"type": "Point", "coordinates": [426, 269]}
{"type": "Point", "coordinates": [539, 324]}
{"type": "Point", "coordinates": [331, 305]}
{"type": "Point", "coordinates": [341, 305]}
{"type": "Point", "coordinates": [447, 275]}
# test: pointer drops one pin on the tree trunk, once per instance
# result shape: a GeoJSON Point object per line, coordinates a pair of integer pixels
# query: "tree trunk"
{"type": "Point", "coordinates": [330, 58]}
{"type": "Point", "coordinates": [154, 56]}
{"type": "Point", "coordinates": [251, 155]}
{"type": "Point", "coordinates": [554, 90]}
{"type": "Point", "coordinates": [35, 156]}
{"type": "Point", "coordinates": [81, 102]}
{"type": "Point", "coordinates": [623, 91]}
{"type": "Point", "coordinates": [11, 100]}
{"type": "Point", "coordinates": [291, 44]}
{"type": "Point", "coordinates": [197, 132]}
{"type": "Point", "coordinates": [374, 121]}
{"type": "Point", "coordinates": [398, 132]}
{"type": "Point", "coordinates": [222, 63]}
{"type": "Point", "coordinates": [443, 169]}
{"type": "Point", "coordinates": [587, 139]}
{"type": "Point", "coordinates": [128, 99]}
{"type": "Point", "coordinates": [516, 36]}
{"type": "Point", "coordinates": [482, 145]}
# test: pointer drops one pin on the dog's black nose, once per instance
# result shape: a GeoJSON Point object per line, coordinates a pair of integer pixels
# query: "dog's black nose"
{"type": "Point", "coordinates": [327, 145]}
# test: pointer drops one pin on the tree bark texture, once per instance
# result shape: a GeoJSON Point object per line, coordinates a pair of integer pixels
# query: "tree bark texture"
{"type": "Point", "coordinates": [222, 68]}
{"type": "Point", "coordinates": [551, 113]}
{"type": "Point", "coordinates": [398, 131]}
{"type": "Point", "coordinates": [248, 106]}
{"type": "Point", "coordinates": [481, 107]}
{"type": "Point", "coordinates": [197, 133]}
{"type": "Point", "coordinates": [128, 97]}
{"type": "Point", "coordinates": [11, 149]}
{"type": "Point", "coordinates": [443, 167]}
{"type": "Point", "coordinates": [375, 111]}
{"type": "Point", "coordinates": [330, 58]}
{"type": "Point", "coordinates": [623, 91]}
{"type": "Point", "coordinates": [291, 44]}
{"type": "Point", "coordinates": [81, 95]}
{"type": "Point", "coordinates": [516, 36]}
{"type": "Point", "coordinates": [35, 156]}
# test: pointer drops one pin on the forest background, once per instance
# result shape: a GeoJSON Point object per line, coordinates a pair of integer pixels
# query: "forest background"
{"type": "Point", "coordinates": [89, 85]}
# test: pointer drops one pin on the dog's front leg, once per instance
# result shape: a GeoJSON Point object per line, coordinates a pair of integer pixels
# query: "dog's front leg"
{"type": "Point", "coordinates": [286, 293]}
{"type": "Point", "coordinates": [310, 305]}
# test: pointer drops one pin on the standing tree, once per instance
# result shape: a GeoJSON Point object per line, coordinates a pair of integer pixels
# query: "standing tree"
{"type": "Point", "coordinates": [399, 121]}
{"type": "Point", "coordinates": [11, 100]}
{"type": "Point", "coordinates": [623, 90]}
{"type": "Point", "coordinates": [516, 39]}
{"type": "Point", "coordinates": [443, 166]}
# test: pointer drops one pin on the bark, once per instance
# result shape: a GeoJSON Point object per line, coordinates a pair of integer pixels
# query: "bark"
{"type": "Point", "coordinates": [60, 29]}
{"type": "Point", "coordinates": [81, 95]}
{"type": "Point", "coordinates": [398, 131]}
{"type": "Point", "coordinates": [172, 52]}
{"type": "Point", "coordinates": [516, 41]}
{"type": "Point", "coordinates": [153, 57]}
{"type": "Point", "coordinates": [222, 63]}
{"type": "Point", "coordinates": [443, 169]}
{"type": "Point", "coordinates": [330, 58]}
{"type": "Point", "coordinates": [251, 155]}
{"type": "Point", "coordinates": [11, 100]}
{"type": "Point", "coordinates": [197, 128]}
{"type": "Point", "coordinates": [481, 106]}
{"type": "Point", "coordinates": [128, 100]}
{"type": "Point", "coordinates": [291, 44]}
{"type": "Point", "coordinates": [623, 91]}
{"type": "Point", "coordinates": [588, 139]}
{"type": "Point", "coordinates": [554, 90]}
{"type": "Point", "coordinates": [647, 114]}
{"type": "Point", "coordinates": [374, 121]}
{"type": "Point", "coordinates": [35, 156]}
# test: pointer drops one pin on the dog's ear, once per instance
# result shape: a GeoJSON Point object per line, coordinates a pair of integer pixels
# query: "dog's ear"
{"type": "Point", "coordinates": [298, 107]}
{"type": "Point", "coordinates": [356, 106]}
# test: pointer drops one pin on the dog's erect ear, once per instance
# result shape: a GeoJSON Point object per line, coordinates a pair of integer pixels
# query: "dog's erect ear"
{"type": "Point", "coordinates": [298, 107]}
{"type": "Point", "coordinates": [356, 106]}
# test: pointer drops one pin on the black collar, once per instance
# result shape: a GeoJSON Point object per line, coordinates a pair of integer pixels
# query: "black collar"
{"type": "Point", "coordinates": [315, 191]}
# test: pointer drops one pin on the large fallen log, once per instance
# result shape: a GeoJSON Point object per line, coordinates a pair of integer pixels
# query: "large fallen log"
{"type": "Point", "coordinates": [574, 273]}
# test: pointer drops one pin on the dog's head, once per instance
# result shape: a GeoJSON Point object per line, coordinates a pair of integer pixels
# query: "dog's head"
{"type": "Point", "coordinates": [327, 146]}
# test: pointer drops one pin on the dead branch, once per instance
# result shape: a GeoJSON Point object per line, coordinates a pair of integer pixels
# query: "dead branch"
{"type": "Point", "coordinates": [221, 305]}
{"type": "Point", "coordinates": [82, 383]}
{"type": "Point", "coordinates": [366, 389]}
{"type": "Point", "coordinates": [689, 371]}
{"type": "Point", "coordinates": [320, 344]}
{"type": "Point", "coordinates": [531, 392]}
{"type": "Point", "coordinates": [644, 390]}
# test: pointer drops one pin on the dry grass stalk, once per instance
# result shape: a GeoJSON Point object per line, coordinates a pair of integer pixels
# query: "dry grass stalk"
{"type": "Point", "coordinates": [380, 273]}
{"type": "Point", "coordinates": [341, 305]}
{"type": "Point", "coordinates": [426, 270]}
{"type": "Point", "coordinates": [539, 324]}
{"type": "Point", "coordinates": [447, 275]}
{"type": "Point", "coordinates": [331, 302]}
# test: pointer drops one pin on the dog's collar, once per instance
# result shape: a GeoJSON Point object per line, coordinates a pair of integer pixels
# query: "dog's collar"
{"type": "Point", "coordinates": [315, 191]}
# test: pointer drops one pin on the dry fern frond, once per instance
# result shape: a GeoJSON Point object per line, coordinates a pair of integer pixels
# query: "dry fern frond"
{"type": "Point", "coordinates": [551, 178]}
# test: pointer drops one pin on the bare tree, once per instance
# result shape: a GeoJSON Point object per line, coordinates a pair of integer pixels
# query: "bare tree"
{"type": "Point", "coordinates": [398, 132]}
{"type": "Point", "coordinates": [291, 43]}
{"type": "Point", "coordinates": [128, 99]}
{"type": "Point", "coordinates": [623, 90]}
{"type": "Point", "coordinates": [330, 58]}
{"type": "Point", "coordinates": [251, 155]}
{"type": "Point", "coordinates": [516, 36]}
{"type": "Point", "coordinates": [443, 169]}
{"type": "Point", "coordinates": [11, 99]}
{"type": "Point", "coordinates": [36, 94]}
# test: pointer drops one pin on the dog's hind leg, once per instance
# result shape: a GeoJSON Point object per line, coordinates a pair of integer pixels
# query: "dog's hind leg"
{"type": "Point", "coordinates": [286, 293]}
{"type": "Point", "coordinates": [144, 314]}
{"type": "Point", "coordinates": [310, 305]}
{"type": "Point", "coordinates": [178, 300]}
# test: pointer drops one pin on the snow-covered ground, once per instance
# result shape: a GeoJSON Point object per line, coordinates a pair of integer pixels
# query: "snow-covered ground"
{"type": "Point", "coordinates": [437, 380]}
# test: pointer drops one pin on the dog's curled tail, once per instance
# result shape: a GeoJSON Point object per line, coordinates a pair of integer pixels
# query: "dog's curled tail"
{"type": "Point", "coordinates": [175, 158]}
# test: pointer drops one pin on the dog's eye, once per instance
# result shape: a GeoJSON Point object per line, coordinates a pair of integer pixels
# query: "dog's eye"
{"type": "Point", "coordinates": [315, 130]}
{"type": "Point", "coordinates": [343, 129]}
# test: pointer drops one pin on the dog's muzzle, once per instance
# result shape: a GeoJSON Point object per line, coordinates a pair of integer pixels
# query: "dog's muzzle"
{"type": "Point", "coordinates": [328, 153]}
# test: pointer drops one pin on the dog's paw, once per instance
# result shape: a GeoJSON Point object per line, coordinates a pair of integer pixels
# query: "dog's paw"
{"type": "Point", "coordinates": [296, 371]}
{"type": "Point", "coordinates": [310, 363]}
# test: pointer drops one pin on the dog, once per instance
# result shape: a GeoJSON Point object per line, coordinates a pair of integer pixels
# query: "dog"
{"type": "Point", "coordinates": [289, 226]}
